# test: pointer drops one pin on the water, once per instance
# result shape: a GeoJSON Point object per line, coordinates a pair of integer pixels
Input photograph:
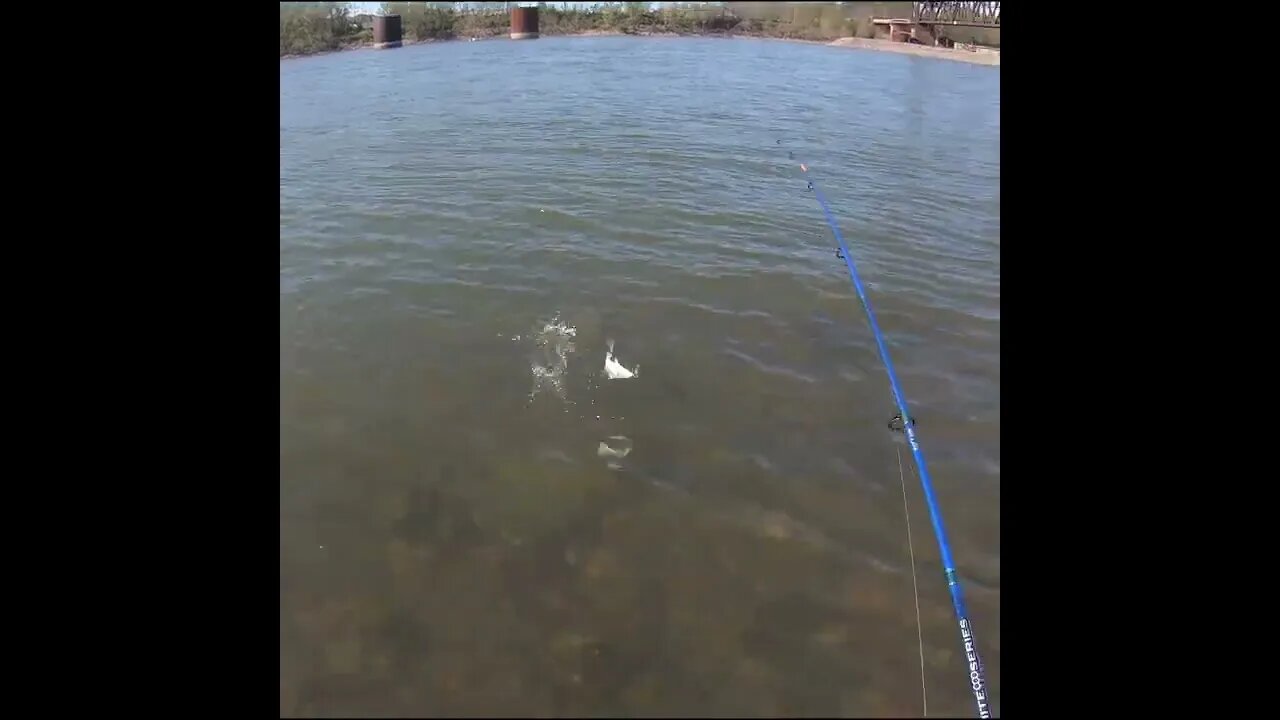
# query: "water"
{"type": "Point", "coordinates": [464, 225]}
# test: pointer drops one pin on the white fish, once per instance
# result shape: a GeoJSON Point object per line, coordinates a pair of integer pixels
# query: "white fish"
{"type": "Point", "coordinates": [613, 369]}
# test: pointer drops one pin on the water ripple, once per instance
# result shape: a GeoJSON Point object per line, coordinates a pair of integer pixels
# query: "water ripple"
{"type": "Point", "coordinates": [441, 204]}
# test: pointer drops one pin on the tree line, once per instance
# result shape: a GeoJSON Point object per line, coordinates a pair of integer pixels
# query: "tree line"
{"type": "Point", "coordinates": [307, 28]}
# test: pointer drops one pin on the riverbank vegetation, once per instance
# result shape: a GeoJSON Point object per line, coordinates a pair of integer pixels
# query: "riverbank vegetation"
{"type": "Point", "coordinates": [307, 28]}
{"type": "Point", "coordinates": [314, 27]}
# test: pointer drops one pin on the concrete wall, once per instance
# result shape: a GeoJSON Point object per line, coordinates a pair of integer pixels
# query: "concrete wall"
{"type": "Point", "coordinates": [862, 11]}
{"type": "Point", "coordinates": [829, 16]}
{"type": "Point", "coordinates": [974, 35]}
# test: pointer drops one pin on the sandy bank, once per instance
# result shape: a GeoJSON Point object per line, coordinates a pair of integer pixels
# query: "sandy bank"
{"type": "Point", "coordinates": [406, 42]}
{"type": "Point", "coordinates": [977, 57]}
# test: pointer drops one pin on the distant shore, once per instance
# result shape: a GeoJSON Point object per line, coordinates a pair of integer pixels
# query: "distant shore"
{"type": "Point", "coordinates": [978, 56]}
{"type": "Point", "coordinates": [504, 36]}
{"type": "Point", "coordinates": [960, 53]}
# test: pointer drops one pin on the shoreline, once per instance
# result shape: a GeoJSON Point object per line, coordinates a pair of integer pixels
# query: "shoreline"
{"type": "Point", "coordinates": [978, 56]}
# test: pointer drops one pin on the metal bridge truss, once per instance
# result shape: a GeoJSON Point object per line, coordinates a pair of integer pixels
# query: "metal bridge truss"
{"type": "Point", "coordinates": [982, 14]}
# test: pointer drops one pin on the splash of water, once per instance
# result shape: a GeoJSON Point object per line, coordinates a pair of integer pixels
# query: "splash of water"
{"type": "Point", "coordinates": [553, 344]}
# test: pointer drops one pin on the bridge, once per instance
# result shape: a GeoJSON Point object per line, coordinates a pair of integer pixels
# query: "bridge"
{"type": "Point", "coordinates": [968, 14]}
{"type": "Point", "coordinates": [927, 16]}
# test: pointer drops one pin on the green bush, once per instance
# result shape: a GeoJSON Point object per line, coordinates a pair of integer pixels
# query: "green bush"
{"type": "Point", "coordinates": [315, 27]}
{"type": "Point", "coordinates": [420, 21]}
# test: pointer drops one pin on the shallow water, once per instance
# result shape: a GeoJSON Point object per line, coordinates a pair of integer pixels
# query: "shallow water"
{"type": "Point", "coordinates": [464, 225]}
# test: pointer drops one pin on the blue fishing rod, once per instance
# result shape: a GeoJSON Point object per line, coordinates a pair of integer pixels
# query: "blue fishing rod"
{"type": "Point", "coordinates": [903, 421]}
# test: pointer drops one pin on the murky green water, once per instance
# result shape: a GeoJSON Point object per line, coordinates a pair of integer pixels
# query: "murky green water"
{"type": "Point", "coordinates": [464, 225]}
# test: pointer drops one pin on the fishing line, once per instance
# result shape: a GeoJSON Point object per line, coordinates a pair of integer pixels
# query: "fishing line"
{"type": "Point", "coordinates": [905, 423]}
{"type": "Point", "coordinates": [915, 586]}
